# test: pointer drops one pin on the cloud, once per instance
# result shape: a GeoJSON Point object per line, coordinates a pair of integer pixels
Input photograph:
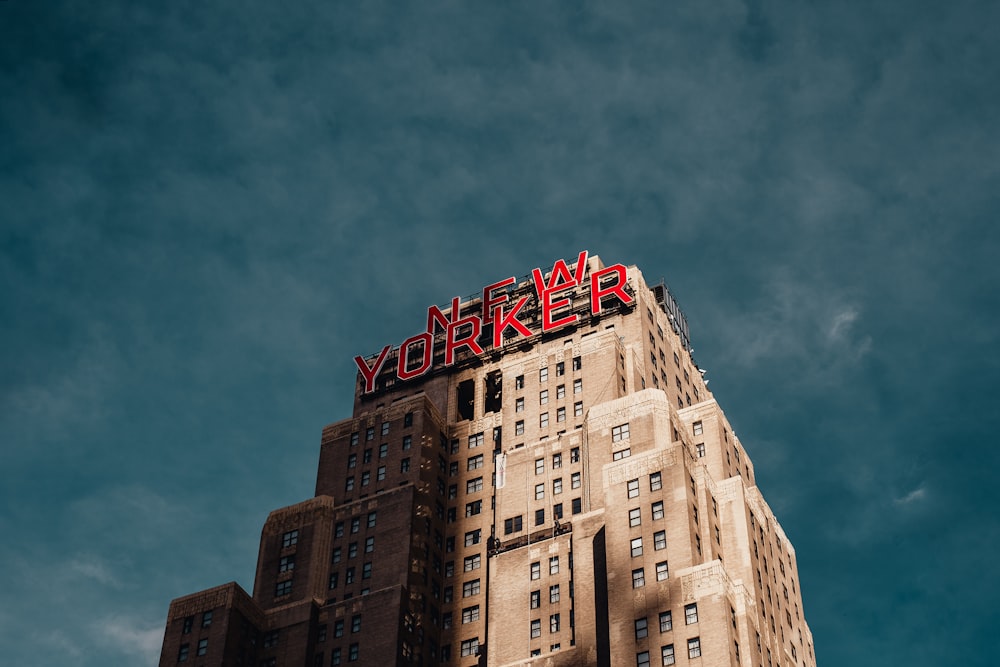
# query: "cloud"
{"type": "Point", "coordinates": [132, 638]}
{"type": "Point", "coordinates": [94, 568]}
{"type": "Point", "coordinates": [912, 497]}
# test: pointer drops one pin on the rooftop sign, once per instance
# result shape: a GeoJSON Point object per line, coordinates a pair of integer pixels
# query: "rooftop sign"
{"type": "Point", "coordinates": [416, 353]}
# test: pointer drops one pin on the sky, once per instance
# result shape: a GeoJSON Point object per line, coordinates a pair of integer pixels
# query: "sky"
{"type": "Point", "coordinates": [207, 209]}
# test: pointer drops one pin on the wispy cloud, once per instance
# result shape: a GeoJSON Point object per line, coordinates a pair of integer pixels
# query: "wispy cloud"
{"type": "Point", "coordinates": [916, 495]}
{"type": "Point", "coordinates": [131, 638]}
{"type": "Point", "coordinates": [94, 568]}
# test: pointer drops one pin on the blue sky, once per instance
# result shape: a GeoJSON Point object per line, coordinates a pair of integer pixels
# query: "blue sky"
{"type": "Point", "coordinates": [207, 209]}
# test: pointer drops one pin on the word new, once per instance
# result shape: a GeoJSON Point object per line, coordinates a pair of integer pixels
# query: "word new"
{"type": "Point", "coordinates": [465, 331]}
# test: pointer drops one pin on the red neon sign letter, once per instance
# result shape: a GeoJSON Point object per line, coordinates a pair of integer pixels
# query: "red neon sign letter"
{"type": "Point", "coordinates": [369, 373]}
{"type": "Point", "coordinates": [404, 356]}
{"type": "Point", "coordinates": [616, 288]}
{"type": "Point", "coordinates": [453, 341]}
{"type": "Point", "coordinates": [489, 300]}
{"type": "Point", "coordinates": [509, 320]}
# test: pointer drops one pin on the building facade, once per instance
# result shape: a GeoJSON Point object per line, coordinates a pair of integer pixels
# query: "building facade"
{"type": "Point", "coordinates": [542, 477]}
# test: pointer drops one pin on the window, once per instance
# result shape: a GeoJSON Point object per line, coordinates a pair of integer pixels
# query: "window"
{"type": "Point", "coordinates": [701, 449]}
{"type": "Point", "coordinates": [539, 517]}
{"type": "Point", "coordinates": [519, 405]}
{"type": "Point", "coordinates": [370, 545]}
{"type": "Point", "coordinates": [286, 564]}
{"type": "Point", "coordinates": [206, 618]}
{"type": "Point", "coordinates": [355, 524]}
{"type": "Point", "coordinates": [560, 414]}
{"type": "Point", "coordinates": [641, 628]}
{"type": "Point", "coordinates": [658, 510]}
{"type": "Point", "coordinates": [182, 654]}
{"type": "Point", "coordinates": [634, 517]}
{"type": "Point", "coordinates": [513, 525]}
{"type": "Point", "coordinates": [557, 486]}
{"type": "Point", "coordinates": [633, 488]}
{"type": "Point", "coordinates": [561, 391]}
{"type": "Point", "coordinates": [474, 485]}
{"type": "Point", "coordinates": [404, 465]}
{"type": "Point", "coordinates": [473, 508]}
{"type": "Point", "coordinates": [352, 653]}
{"type": "Point", "coordinates": [290, 539]}
{"type": "Point", "coordinates": [519, 427]}
{"type": "Point", "coordinates": [536, 599]}
{"type": "Point", "coordinates": [556, 461]}
{"type": "Point", "coordinates": [560, 369]}
{"type": "Point", "coordinates": [349, 486]}
{"type": "Point", "coordinates": [472, 537]}
{"type": "Point", "coordinates": [283, 588]}
{"type": "Point", "coordinates": [536, 628]}
{"type": "Point", "coordinates": [655, 481]}
{"type": "Point", "coordinates": [667, 654]}
{"type": "Point", "coordinates": [371, 520]}
{"type": "Point", "coordinates": [557, 510]}
{"type": "Point", "coordinates": [642, 659]}
{"type": "Point", "coordinates": [385, 428]}
{"type": "Point", "coordinates": [366, 571]}
{"type": "Point", "coordinates": [621, 454]}
{"type": "Point", "coordinates": [349, 576]}
{"type": "Point", "coordinates": [470, 614]}
{"type": "Point", "coordinates": [543, 374]}
{"type": "Point", "coordinates": [578, 409]}
{"type": "Point", "coordinates": [381, 473]}
{"type": "Point", "coordinates": [271, 639]}
{"type": "Point", "coordinates": [408, 419]}
{"type": "Point", "coordinates": [519, 382]}
{"type": "Point", "coordinates": [366, 477]}
{"type": "Point", "coordinates": [356, 623]}
{"type": "Point", "coordinates": [472, 562]}
{"type": "Point", "coordinates": [697, 428]}
{"type": "Point", "coordinates": [383, 451]}
{"type": "Point", "coordinates": [543, 397]}
{"type": "Point", "coordinates": [636, 547]}
{"type": "Point", "coordinates": [476, 440]}
{"type": "Point", "coordinates": [574, 455]}
{"type": "Point", "coordinates": [619, 433]}
{"type": "Point", "coordinates": [352, 460]}
{"type": "Point", "coordinates": [370, 433]}
{"type": "Point", "coordinates": [554, 565]}
{"type": "Point", "coordinates": [554, 623]}
{"type": "Point", "coordinates": [577, 506]}
{"type": "Point", "coordinates": [203, 647]}
{"type": "Point", "coordinates": [338, 629]}
{"type": "Point", "coordinates": [690, 613]}
{"type": "Point", "coordinates": [470, 588]}
{"type": "Point", "coordinates": [661, 570]}
{"type": "Point", "coordinates": [188, 624]}
{"type": "Point", "coordinates": [333, 580]}
{"type": "Point", "coordinates": [475, 462]}
{"type": "Point", "coordinates": [694, 647]}
{"type": "Point", "coordinates": [666, 621]}
{"type": "Point", "coordinates": [577, 363]}
{"type": "Point", "coordinates": [554, 594]}
{"type": "Point", "coordinates": [543, 420]}
{"type": "Point", "coordinates": [660, 540]}
{"type": "Point", "coordinates": [539, 491]}
{"type": "Point", "coordinates": [577, 386]}
{"type": "Point", "coordinates": [638, 578]}
{"type": "Point", "coordinates": [574, 480]}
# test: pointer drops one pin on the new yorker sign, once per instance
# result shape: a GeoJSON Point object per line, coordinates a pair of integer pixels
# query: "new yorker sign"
{"type": "Point", "coordinates": [416, 353]}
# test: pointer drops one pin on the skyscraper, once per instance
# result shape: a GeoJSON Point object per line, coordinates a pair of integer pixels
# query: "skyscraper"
{"type": "Point", "coordinates": [540, 477]}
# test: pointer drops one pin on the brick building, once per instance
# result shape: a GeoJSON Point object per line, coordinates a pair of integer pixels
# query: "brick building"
{"type": "Point", "coordinates": [564, 491]}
